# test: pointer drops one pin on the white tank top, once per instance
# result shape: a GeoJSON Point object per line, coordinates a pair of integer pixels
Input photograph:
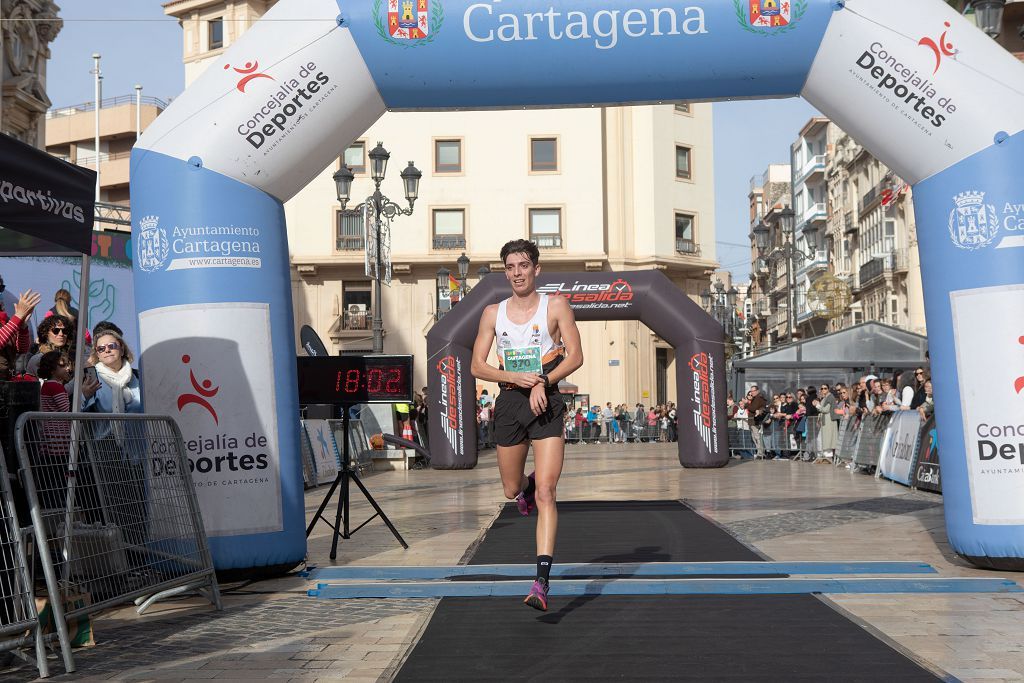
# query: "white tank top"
{"type": "Point", "coordinates": [527, 347]}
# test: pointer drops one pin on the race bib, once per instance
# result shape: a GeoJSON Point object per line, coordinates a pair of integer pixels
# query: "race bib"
{"type": "Point", "coordinates": [523, 359]}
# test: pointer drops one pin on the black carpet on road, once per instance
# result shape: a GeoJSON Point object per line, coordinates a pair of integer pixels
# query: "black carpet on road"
{"type": "Point", "coordinates": [714, 637]}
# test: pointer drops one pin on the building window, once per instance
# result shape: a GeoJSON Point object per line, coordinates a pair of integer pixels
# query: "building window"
{"type": "Point", "coordinates": [349, 232]}
{"type": "Point", "coordinates": [216, 33]}
{"type": "Point", "coordinates": [356, 306]}
{"type": "Point", "coordinates": [683, 162]}
{"type": "Point", "coordinates": [543, 154]}
{"type": "Point", "coordinates": [683, 107]}
{"type": "Point", "coordinates": [546, 228]}
{"type": "Point", "coordinates": [449, 228]}
{"type": "Point", "coordinates": [355, 157]}
{"type": "Point", "coordinates": [448, 156]}
{"type": "Point", "coordinates": [685, 243]}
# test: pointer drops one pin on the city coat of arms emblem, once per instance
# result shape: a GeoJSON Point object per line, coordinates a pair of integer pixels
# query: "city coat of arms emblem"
{"type": "Point", "coordinates": [152, 244]}
{"type": "Point", "coordinates": [973, 224]}
{"type": "Point", "coordinates": [408, 23]}
{"type": "Point", "coordinates": [769, 17]}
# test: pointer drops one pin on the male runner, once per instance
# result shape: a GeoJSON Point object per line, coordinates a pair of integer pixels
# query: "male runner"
{"type": "Point", "coordinates": [538, 344]}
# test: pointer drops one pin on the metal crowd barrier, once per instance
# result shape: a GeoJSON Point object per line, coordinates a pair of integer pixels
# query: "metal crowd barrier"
{"type": "Point", "coordinates": [602, 432]}
{"type": "Point", "coordinates": [741, 441]}
{"type": "Point", "coordinates": [114, 513]}
{"type": "Point", "coordinates": [869, 445]}
{"type": "Point", "coordinates": [849, 434]}
{"type": "Point", "coordinates": [19, 622]}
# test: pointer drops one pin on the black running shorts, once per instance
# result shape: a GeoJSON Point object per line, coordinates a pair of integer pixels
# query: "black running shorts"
{"type": "Point", "coordinates": [514, 421]}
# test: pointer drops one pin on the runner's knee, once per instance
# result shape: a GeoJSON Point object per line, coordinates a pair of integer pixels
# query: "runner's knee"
{"type": "Point", "coordinates": [545, 494]}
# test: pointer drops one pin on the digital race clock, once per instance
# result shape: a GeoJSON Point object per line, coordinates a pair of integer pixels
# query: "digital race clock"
{"type": "Point", "coordinates": [343, 380]}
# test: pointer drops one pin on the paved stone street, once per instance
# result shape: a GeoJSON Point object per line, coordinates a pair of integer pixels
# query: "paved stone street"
{"type": "Point", "coordinates": [787, 511]}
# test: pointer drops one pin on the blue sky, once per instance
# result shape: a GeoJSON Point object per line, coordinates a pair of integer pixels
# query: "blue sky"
{"type": "Point", "coordinates": [139, 44]}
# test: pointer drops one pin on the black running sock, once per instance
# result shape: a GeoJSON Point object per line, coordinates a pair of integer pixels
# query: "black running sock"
{"type": "Point", "coordinates": [530, 486]}
{"type": "Point", "coordinates": [543, 567]}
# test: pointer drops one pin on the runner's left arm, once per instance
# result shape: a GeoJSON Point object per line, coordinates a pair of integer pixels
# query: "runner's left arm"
{"type": "Point", "coordinates": [570, 334]}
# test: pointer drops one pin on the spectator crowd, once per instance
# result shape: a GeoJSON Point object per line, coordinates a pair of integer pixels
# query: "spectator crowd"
{"type": "Point", "coordinates": [47, 353]}
{"type": "Point", "coordinates": [816, 412]}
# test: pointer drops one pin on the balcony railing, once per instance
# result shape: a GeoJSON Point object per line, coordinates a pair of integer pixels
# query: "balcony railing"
{"type": "Point", "coordinates": [814, 212]}
{"type": "Point", "coordinates": [91, 160]}
{"type": "Point", "coordinates": [57, 112]}
{"type": "Point", "coordinates": [450, 242]}
{"type": "Point", "coordinates": [356, 320]}
{"type": "Point", "coordinates": [350, 243]}
{"type": "Point", "coordinates": [685, 246]}
{"type": "Point", "coordinates": [896, 261]}
{"type": "Point", "coordinates": [546, 241]}
{"type": "Point", "coordinates": [815, 163]}
{"type": "Point", "coordinates": [873, 197]}
{"type": "Point", "coordinates": [849, 225]}
{"type": "Point", "coordinates": [818, 260]}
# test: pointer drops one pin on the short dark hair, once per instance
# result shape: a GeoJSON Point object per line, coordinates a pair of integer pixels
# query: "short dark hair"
{"type": "Point", "coordinates": [49, 362]}
{"type": "Point", "coordinates": [521, 247]}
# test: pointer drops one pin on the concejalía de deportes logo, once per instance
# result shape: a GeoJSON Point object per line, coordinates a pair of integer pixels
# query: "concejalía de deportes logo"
{"type": "Point", "coordinates": [285, 108]}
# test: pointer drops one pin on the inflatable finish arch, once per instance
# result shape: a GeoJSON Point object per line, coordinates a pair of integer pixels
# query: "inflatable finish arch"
{"type": "Point", "coordinates": [920, 88]}
{"type": "Point", "coordinates": [645, 295]}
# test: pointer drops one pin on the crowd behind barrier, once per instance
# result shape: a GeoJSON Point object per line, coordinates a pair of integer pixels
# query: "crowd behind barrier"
{"type": "Point", "coordinates": [880, 426]}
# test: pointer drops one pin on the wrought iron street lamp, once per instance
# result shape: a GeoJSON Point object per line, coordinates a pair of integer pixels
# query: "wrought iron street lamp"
{"type": "Point", "coordinates": [383, 210]}
{"type": "Point", "coordinates": [989, 15]}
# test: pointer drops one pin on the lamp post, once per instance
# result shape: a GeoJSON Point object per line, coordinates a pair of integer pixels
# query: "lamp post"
{"type": "Point", "coordinates": [789, 253]}
{"type": "Point", "coordinates": [444, 281]}
{"type": "Point", "coordinates": [384, 210]}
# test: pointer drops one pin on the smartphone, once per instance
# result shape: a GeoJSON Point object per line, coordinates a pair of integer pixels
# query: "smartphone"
{"type": "Point", "coordinates": [90, 373]}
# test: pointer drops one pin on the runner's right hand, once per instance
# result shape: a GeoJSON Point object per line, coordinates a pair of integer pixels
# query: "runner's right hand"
{"type": "Point", "coordinates": [525, 380]}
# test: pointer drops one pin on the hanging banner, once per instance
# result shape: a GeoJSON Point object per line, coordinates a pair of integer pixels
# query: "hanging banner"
{"type": "Point", "coordinates": [44, 197]}
{"type": "Point", "coordinates": [927, 475]}
{"type": "Point", "coordinates": [900, 446]}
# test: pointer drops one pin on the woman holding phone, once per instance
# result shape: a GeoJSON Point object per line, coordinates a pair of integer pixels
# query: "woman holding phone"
{"type": "Point", "coordinates": [112, 386]}
{"type": "Point", "coordinates": [115, 386]}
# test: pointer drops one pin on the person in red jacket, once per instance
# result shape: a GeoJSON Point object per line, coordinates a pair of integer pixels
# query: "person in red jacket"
{"type": "Point", "coordinates": [14, 337]}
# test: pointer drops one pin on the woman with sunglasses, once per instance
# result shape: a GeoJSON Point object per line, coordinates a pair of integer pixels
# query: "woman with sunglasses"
{"type": "Point", "coordinates": [828, 426]}
{"type": "Point", "coordinates": [116, 388]}
{"type": "Point", "coordinates": [53, 334]}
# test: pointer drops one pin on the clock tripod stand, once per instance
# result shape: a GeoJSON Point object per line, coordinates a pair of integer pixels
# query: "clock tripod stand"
{"type": "Point", "coordinates": [347, 474]}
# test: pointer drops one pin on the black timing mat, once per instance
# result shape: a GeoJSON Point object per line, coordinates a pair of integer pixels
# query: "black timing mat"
{"type": "Point", "coordinates": [749, 637]}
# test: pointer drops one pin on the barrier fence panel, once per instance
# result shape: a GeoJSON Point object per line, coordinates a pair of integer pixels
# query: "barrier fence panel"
{"type": "Point", "coordinates": [114, 511]}
{"type": "Point", "coordinates": [19, 623]}
{"type": "Point", "coordinates": [741, 442]}
{"type": "Point", "coordinates": [849, 438]}
{"type": "Point", "coordinates": [812, 437]}
{"type": "Point", "coordinates": [872, 434]}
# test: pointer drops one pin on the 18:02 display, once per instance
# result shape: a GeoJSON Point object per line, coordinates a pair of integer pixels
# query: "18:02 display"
{"type": "Point", "coordinates": [375, 381]}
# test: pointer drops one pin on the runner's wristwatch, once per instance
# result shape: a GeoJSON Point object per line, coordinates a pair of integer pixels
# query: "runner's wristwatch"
{"type": "Point", "coordinates": [546, 382]}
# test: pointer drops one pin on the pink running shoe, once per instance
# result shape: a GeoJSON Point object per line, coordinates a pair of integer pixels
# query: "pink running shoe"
{"type": "Point", "coordinates": [538, 597]}
{"type": "Point", "coordinates": [526, 503]}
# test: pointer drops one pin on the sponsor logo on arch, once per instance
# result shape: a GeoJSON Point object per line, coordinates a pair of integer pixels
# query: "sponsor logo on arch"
{"type": "Point", "coordinates": [601, 295]}
{"type": "Point", "coordinates": [705, 415]}
{"type": "Point", "coordinates": [449, 369]}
